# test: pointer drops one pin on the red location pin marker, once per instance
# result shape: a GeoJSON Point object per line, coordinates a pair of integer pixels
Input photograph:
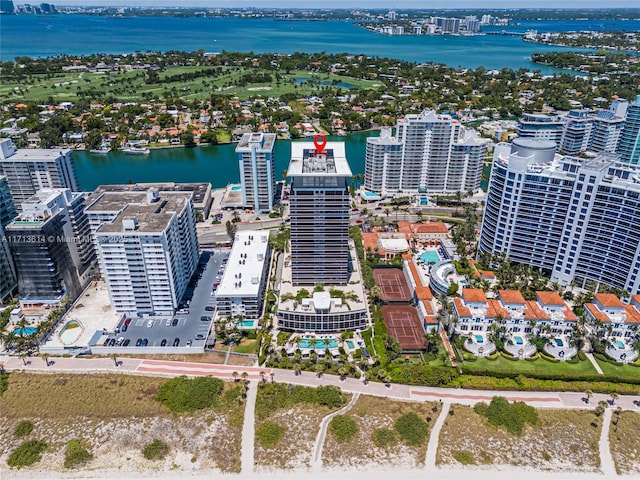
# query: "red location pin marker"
{"type": "Point", "coordinates": [320, 141]}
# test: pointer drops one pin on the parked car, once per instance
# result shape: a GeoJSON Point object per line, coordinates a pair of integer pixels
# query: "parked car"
{"type": "Point", "coordinates": [205, 318]}
{"type": "Point", "coordinates": [168, 322]}
{"type": "Point", "coordinates": [199, 337]}
{"type": "Point", "coordinates": [150, 324]}
{"type": "Point", "coordinates": [124, 328]}
{"type": "Point", "coordinates": [189, 342]}
{"type": "Point", "coordinates": [175, 322]}
{"type": "Point", "coordinates": [138, 342]}
{"type": "Point", "coordinates": [145, 342]}
{"type": "Point", "coordinates": [126, 343]}
{"type": "Point", "coordinates": [163, 342]}
{"type": "Point", "coordinates": [209, 308]}
{"type": "Point", "coordinates": [127, 322]}
{"type": "Point", "coordinates": [176, 342]}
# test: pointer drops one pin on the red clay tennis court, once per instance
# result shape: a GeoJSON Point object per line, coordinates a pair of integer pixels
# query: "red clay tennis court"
{"type": "Point", "coordinates": [403, 323]}
{"type": "Point", "coordinates": [393, 285]}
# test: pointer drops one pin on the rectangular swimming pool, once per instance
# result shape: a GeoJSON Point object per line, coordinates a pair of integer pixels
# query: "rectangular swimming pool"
{"type": "Point", "coordinates": [479, 339]}
{"type": "Point", "coordinates": [320, 343]}
{"type": "Point", "coordinates": [351, 345]}
{"type": "Point", "coordinates": [559, 342]}
{"type": "Point", "coordinates": [236, 188]}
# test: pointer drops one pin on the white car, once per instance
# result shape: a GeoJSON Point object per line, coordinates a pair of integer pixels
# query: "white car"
{"type": "Point", "coordinates": [168, 322]}
{"type": "Point", "coordinates": [150, 324]}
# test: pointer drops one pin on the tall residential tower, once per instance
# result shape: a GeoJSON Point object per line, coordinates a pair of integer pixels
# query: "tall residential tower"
{"type": "Point", "coordinates": [629, 145]}
{"type": "Point", "coordinates": [255, 153]}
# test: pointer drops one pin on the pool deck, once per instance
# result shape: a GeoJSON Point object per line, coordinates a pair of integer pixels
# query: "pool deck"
{"type": "Point", "coordinates": [92, 311]}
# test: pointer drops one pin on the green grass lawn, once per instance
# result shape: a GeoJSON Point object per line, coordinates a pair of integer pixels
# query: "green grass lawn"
{"type": "Point", "coordinates": [247, 346]}
{"type": "Point", "coordinates": [539, 366]}
{"type": "Point", "coordinates": [127, 86]}
{"type": "Point", "coordinates": [622, 371]}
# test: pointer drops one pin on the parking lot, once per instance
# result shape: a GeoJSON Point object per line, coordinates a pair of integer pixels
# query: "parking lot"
{"type": "Point", "coordinates": [189, 328]}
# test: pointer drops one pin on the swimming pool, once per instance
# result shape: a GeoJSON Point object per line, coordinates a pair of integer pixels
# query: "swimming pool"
{"type": "Point", "coordinates": [351, 345]}
{"type": "Point", "coordinates": [25, 331]}
{"type": "Point", "coordinates": [479, 339]}
{"type": "Point", "coordinates": [236, 188]}
{"type": "Point", "coordinates": [246, 324]}
{"type": "Point", "coordinates": [70, 332]}
{"type": "Point", "coordinates": [559, 342]}
{"type": "Point", "coordinates": [371, 195]}
{"type": "Point", "coordinates": [320, 343]}
{"type": "Point", "coordinates": [518, 340]}
{"type": "Point", "coordinates": [462, 282]}
{"type": "Point", "coordinates": [430, 256]}
{"type": "Point", "coordinates": [619, 344]}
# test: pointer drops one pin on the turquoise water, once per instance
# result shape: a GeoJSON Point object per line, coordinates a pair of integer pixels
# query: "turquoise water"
{"type": "Point", "coordinates": [217, 164]}
{"type": "Point", "coordinates": [479, 339]}
{"type": "Point", "coordinates": [351, 345]}
{"type": "Point", "coordinates": [371, 194]}
{"type": "Point", "coordinates": [559, 342]}
{"type": "Point", "coordinates": [429, 256]}
{"type": "Point", "coordinates": [246, 324]}
{"type": "Point", "coordinates": [308, 343]}
{"type": "Point", "coordinates": [518, 340]}
{"type": "Point", "coordinates": [619, 344]}
{"type": "Point", "coordinates": [25, 331]}
{"type": "Point", "coordinates": [236, 188]}
{"type": "Point", "coordinates": [41, 36]}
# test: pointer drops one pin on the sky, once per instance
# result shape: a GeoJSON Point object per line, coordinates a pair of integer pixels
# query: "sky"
{"type": "Point", "coordinates": [369, 4]}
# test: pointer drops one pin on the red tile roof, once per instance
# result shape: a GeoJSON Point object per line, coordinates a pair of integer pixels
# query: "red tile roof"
{"type": "Point", "coordinates": [597, 313]}
{"type": "Point", "coordinates": [511, 296]}
{"type": "Point", "coordinates": [475, 295]}
{"type": "Point", "coordinates": [608, 300]}
{"type": "Point", "coordinates": [461, 309]}
{"type": "Point", "coordinates": [550, 298]}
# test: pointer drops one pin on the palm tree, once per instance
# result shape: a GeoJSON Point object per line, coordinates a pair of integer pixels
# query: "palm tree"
{"type": "Point", "coordinates": [342, 372]}
{"type": "Point", "coordinates": [234, 375]}
{"type": "Point", "coordinates": [297, 369]}
{"type": "Point", "coordinates": [387, 212]}
{"type": "Point", "coordinates": [366, 376]}
{"type": "Point", "coordinates": [45, 357]}
{"type": "Point", "coordinates": [272, 375]}
{"type": "Point", "coordinates": [115, 359]}
{"type": "Point", "coordinates": [263, 377]}
{"type": "Point", "coordinates": [245, 376]}
{"type": "Point", "coordinates": [319, 369]}
{"type": "Point", "coordinates": [614, 396]}
{"type": "Point", "coordinates": [588, 394]}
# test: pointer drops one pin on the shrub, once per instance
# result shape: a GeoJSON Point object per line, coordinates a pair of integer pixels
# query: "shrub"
{"type": "Point", "coordinates": [270, 434]}
{"type": "Point", "coordinates": [181, 394]}
{"type": "Point", "coordinates": [383, 436]}
{"type": "Point", "coordinates": [511, 416]}
{"type": "Point", "coordinates": [76, 455]}
{"type": "Point", "coordinates": [343, 428]}
{"type": "Point", "coordinates": [27, 453]}
{"type": "Point", "coordinates": [274, 396]}
{"type": "Point", "coordinates": [330, 396]}
{"type": "Point", "coordinates": [464, 457]}
{"type": "Point", "coordinates": [481, 408]}
{"type": "Point", "coordinates": [412, 429]}
{"type": "Point", "coordinates": [581, 356]}
{"type": "Point", "coordinates": [24, 428]}
{"type": "Point", "coordinates": [4, 382]}
{"type": "Point", "coordinates": [155, 450]}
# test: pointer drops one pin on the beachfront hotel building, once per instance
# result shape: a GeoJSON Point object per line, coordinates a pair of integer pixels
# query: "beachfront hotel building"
{"type": "Point", "coordinates": [51, 246]}
{"type": "Point", "coordinates": [574, 218]}
{"type": "Point", "coordinates": [240, 295]}
{"type": "Point", "coordinates": [255, 156]}
{"type": "Point", "coordinates": [431, 152]}
{"type": "Point", "coordinates": [149, 251]}
{"type": "Point", "coordinates": [31, 170]}
{"type": "Point", "coordinates": [629, 145]}
{"type": "Point", "coordinates": [321, 285]}
{"type": "Point", "coordinates": [8, 281]}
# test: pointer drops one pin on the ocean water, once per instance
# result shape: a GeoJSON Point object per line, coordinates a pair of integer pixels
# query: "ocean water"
{"type": "Point", "coordinates": [41, 36]}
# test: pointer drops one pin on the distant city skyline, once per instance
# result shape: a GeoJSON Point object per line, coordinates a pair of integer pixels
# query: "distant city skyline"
{"type": "Point", "coordinates": [364, 4]}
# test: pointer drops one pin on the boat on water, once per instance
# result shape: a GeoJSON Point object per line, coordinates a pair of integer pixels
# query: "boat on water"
{"type": "Point", "coordinates": [101, 150]}
{"type": "Point", "coordinates": [136, 150]}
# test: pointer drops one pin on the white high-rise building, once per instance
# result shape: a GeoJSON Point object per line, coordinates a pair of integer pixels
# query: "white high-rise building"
{"type": "Point", "coordinates": [30, 170]}
{"type": "Point", "coordinates": [574, 218]}
{"type": "Point", "coordinates": [255, 153]}
{"type": "Point", "coordinates": [431, 151]}
{"type": "Point", "coordinates": [149, 252]}
{"type": "Point", "coordinates": [577, 131]}
{"type": "Point", "coordinates": [543, 127]}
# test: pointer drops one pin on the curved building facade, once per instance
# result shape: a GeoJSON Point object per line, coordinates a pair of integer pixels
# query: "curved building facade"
{"type": "Point", "coordinates": [577, 219]}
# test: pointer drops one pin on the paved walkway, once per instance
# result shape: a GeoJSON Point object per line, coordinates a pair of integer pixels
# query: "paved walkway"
{"type": "Point", "coordinates": [606, 459]}
{"type": "Point", "coordinates": [168, 368]}
{"type": "Point", "coordinates": [434, 437]}
{"type": "Point", "coordinates": [316, 460]}
{"type": "Point", "coordinates": [589, 355]}
{"type": "Point", "coordinates": [248, 430]}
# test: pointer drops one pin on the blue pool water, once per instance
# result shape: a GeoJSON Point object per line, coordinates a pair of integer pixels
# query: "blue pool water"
{"type": "Point", "coordinates": [429, 257]}
{"type": "Point", "coordinates": [462, 282]}
{"type": "Point", "coordinates": [619, 344]}
{"type": "Point", "coordinates": [479, 339]}
{"type": "Point", "coordinates": [559, 342]}
{"type": "Point", "coordinates": [246, 324]}
{"type": "Point", "coordinates": [518, 340]}
{"type": "Point", "coordinates": [371, 194]}
{"type": "Point", "coordinates": [308, 343]}
{"type": "Point", "coordinates": [25, 331]}
{"type": "Point", "coordinates": [351, 345]}
{"type": "Point", "coordinates": [236, 188]}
